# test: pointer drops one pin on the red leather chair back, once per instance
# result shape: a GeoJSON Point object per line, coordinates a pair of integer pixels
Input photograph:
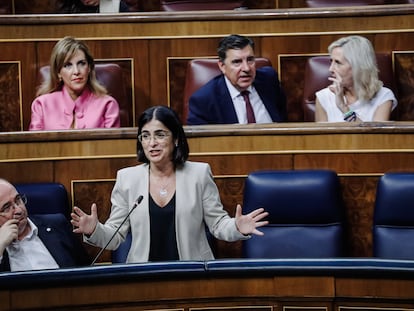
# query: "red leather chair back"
{"type": "Point", "coordinates": [194, 5]}
{"type": "Point", "coordinates": [337, 3]}
{"type": "Point", "coordinates": [110, 76]}
{"type": "Point", "coordinates": [316, 78]}
{"type": "Point", "coordinates": [200, 71]}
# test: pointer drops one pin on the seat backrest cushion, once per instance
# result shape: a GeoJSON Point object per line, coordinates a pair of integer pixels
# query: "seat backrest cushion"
{"type": "Point", "coordinates": [200, 71]}
{"type": "Point", "coordinates": [393, 224]}
{"type": "Point", "coordinates": [110, 76]}
{"type": "Point", "coordinates": [317, 73]}
{"type": "Point", "coordinates": [305, 214]}
{"type": "Point", "coordinates": [45, 198]}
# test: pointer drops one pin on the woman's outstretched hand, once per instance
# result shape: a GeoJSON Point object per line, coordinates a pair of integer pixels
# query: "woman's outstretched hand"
{"type": "Point", "coordinates": [82, 222]}
{"type": "Point", "coordinates": [248, 224]}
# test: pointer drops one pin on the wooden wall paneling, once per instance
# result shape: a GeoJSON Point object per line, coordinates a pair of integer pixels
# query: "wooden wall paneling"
{"type": "Point", "coordinates": [291, 72]}
{"type": "Point", "coordinates": [69, 171]}
{"type": "Point", "coordinates": [19, 87]}
{"type": "Point", "coordinates": [290, 4]}
{"type": "Point", "coordinates": [404, 76]}
{"type": "Point", "coordinates": [358, 162]}
{"type": "Point", "coordinates": [27, 171]}
{"type": "Point", "coordinates": [176, 84]}
{"type": "Point", "coordinates": [159, 50]}
{"type": "Point", "coordinates": [295, 306]}
{"type": "Point", "coordinates": [5, 300]}
{"type": "Point", "coordinates": [358, 193]}
{"type": "Point", "coordinates": [366, 306]}
{"type": "Point", "coordinates": [86, 192]}
{"type": "Point", "coordinates": [241, 164]}
{"type": "Point", "coordinates": [378, 287]}
{"type": "Point", "coordinates": [10, 97]}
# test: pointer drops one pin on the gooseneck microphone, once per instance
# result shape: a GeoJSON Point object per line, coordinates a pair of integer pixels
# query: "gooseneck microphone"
{"type": "Point", "coordinates": [137, 202]}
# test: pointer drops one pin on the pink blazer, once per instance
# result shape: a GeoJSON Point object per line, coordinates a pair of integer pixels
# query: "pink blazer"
{"type": "Point", "coordinates": [55, 111]}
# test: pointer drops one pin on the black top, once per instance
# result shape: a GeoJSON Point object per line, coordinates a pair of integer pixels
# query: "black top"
{"type": "Point", "coordinates": [163, 246]}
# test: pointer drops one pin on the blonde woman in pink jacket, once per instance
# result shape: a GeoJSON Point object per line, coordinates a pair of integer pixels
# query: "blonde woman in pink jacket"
{"type": "Point", "coordinates": [72, 98]}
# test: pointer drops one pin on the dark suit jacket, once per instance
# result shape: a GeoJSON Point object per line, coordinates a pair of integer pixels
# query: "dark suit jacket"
{"type": "Point", "coordinates": [212, 103]}
{"type": "Point", "coordinates": [56, 234]}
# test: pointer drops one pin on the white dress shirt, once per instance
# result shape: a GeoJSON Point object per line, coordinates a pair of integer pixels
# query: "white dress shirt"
{"type": "Point", "coordinates": [30, 253]}
{"type": "Point", "coordinates": [260, 112]}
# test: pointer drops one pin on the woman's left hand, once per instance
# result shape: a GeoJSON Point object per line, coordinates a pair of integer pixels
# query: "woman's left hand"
{"type": "Point", "coordinates": [248, 224]}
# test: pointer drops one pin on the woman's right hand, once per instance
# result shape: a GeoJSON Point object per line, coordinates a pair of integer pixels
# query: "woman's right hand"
{"type": "Point", "coordinates": [82, 222]}
{"type": "Point", "coordinates": [337, 88]}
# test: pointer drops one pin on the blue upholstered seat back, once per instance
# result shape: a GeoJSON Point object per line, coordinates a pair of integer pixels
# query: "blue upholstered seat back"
{"type": "Point", "coordinates": [393, 227]}
{"type": "Point", "coordinates": [45, 198]}
{"type": "Point", "coordinates": [305, 214]}
{"type": "Point", "coordinates": [121, 253]}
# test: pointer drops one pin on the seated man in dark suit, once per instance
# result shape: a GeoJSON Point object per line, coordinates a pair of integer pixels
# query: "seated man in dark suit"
{"type": "Point", "coordinates": [41, 242]}
{"type": "Point", "coordinates": [241, 94]}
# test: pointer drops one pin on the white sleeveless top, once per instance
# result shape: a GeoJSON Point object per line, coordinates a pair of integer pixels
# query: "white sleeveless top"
{"type": "Point", "coordinates": [364, 109]}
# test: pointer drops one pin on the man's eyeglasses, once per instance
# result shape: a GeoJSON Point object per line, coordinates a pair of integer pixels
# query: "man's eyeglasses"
{"type": "Point", "coordinates": [159, 136]}
{"type": "Point", "coordinates": [19, 200]}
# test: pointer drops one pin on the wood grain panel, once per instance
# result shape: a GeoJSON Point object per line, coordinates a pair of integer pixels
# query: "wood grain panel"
{"type": "Point", "coordinates": [27, 172]}
{"type": "Point", "coordinates": [387, 288]}
{"type": "Point", "coordinates": [358, 193]}
{"type": "Point", "coordinates": [242, 164]}
{"type": "Point", "coordinates": [15, 79]}
{"type": "Point", "coordinates": [357, 163]}
{"type": "Point", "coordinates": [10, 110]}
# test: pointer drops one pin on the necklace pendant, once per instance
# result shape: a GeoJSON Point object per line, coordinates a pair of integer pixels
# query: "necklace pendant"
{"type": "Point", "coordinates": [163, 192]}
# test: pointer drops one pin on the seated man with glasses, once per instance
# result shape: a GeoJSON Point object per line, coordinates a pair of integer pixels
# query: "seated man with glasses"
{"type": "Point", "coordinates": [39, 242]}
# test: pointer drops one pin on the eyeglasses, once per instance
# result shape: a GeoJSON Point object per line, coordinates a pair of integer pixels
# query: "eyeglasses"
{"type": "Point", "coordinates": [19, 200]}
{"type": "Point", "coordinates": [159, 136]}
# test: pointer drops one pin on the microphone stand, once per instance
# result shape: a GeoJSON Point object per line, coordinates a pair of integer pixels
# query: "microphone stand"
{"type": "Point", "coordinates": [137, 201]}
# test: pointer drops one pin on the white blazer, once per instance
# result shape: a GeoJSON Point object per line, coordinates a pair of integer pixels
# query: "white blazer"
{"type": "Point", "coordinates": [197, 203]}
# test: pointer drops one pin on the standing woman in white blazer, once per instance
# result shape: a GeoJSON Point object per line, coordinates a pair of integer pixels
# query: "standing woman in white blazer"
{"type": "Point", "coordinates": [180, 198]}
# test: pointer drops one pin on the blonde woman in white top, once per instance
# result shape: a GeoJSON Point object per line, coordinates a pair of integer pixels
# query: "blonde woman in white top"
{"type": "Point", "coordinates": [356, 94]}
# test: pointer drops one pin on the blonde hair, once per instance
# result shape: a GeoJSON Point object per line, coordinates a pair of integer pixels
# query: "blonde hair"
{"type": "Point", "coordinates": [358, 51]}
{"type": "Point", "coordinates": [63, 50]}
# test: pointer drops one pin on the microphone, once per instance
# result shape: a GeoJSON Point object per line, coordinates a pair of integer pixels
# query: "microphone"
{"type": "Point", "coordinates": [137, 202]}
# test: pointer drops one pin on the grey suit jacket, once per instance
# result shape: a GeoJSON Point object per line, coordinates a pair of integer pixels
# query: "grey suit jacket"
{"type": "Point", "coordinates": [197, 203]}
